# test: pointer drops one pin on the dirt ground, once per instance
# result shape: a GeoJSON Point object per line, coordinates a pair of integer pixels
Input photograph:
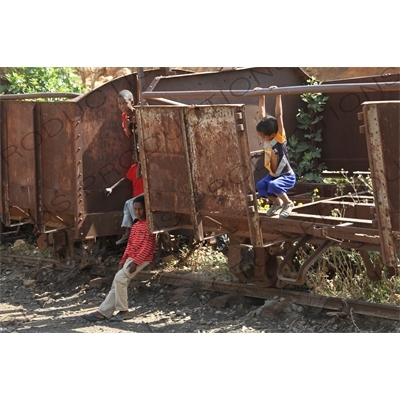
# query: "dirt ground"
{"type": "Point", "coordinates": [35, 300]}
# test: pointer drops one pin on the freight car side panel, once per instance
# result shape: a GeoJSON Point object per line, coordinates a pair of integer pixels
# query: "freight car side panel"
{"type": "Point", "coordinates": [218, 172]}
{"type": "Point", "coordinates": [196, 166]}
{"type": "Point", "coordinates": [164, 165]}
{"type": "Point", "coordinates": [58, 162]}
{"type": "Point", "coordinates": [20, 142]}
{"type": "Point", "coordinates": [103, 150]}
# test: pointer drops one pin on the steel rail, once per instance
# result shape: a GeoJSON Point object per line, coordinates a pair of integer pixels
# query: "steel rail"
{"type": "Point", "coordinates": [305, 299]}
{"type": "Point", "coordinates": [183, 280]}
{"type": "Point", "coordinates": [288, 90]}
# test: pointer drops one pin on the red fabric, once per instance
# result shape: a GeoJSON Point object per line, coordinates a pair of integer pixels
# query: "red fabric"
{"type": "Point", "coordinates": [141, 244]}
{"type": "Point", "coordinates": [124, 116]}
{"type": "Point", "coordinates": [137, 183]}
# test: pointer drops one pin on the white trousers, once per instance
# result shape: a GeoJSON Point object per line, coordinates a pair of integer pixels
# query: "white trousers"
{"type": "Point", "coordinates": [117, 298]}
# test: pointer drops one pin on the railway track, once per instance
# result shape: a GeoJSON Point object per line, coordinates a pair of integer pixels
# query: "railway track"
{"type": "Point", "coordinates": [344, 306]}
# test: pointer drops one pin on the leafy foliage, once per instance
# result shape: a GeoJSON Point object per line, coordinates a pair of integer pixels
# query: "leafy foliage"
{"type": "Point", "coordinates": [304, 152]}
{"type": "Point", "coordinates": [23, 80]}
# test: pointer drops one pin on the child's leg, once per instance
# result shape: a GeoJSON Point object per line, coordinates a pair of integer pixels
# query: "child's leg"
{"type": "Point", "coordinates": [262, 186]}
{"type": "Point", "coordinates": [279, 187]}
{"type": "Point", "coordinates": [122, 280]}
{"type": "Point", "coordinates": [107, 307]}
{"type": "Point", "coordinates": [284, 197]}
{"type": "Point", "coordinates": [275, 207]}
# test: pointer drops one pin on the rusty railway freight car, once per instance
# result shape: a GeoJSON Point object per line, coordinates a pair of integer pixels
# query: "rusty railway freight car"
{"type": "Point", "coordinates": [198, 175]}
{"type": "Point", "coordinates": [198, 170]}
{"type": "Point", "coordinates": [57, 159]}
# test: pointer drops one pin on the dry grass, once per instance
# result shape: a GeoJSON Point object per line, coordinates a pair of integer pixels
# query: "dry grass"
{"type": "Point", "coordinates": [203, 262]}
{"type": "Point", "coordinates": [341, 273]}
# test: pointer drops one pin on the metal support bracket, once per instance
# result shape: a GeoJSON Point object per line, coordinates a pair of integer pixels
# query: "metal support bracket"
{"type": "Point", "coordinates": [306, 265]}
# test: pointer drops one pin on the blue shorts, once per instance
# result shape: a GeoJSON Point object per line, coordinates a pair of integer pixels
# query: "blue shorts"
{"type": "Point", "coordinates": [271, 186]}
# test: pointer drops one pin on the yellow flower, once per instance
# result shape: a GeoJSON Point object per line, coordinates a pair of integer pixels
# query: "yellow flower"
{"type": "Point", "coordinates": [316, 190]}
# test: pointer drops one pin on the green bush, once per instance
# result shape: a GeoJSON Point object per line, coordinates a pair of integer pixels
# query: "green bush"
{"type": "Point", "coordinates": [303, 151]}
{"type": "Point", "coordinates": [24, 80]}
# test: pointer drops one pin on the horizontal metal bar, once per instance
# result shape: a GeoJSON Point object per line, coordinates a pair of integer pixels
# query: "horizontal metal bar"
{"type": "Point", "coordinates": [8, 233]}
{"type": "Point", "coordinates": [44, 95]}
{"type": "Point", "coordinates": [328, 218]}
{"type": "Point", "coordinates": [331, 88]}
{"type": "Point", "coordinates": [342, 203]}
{"type": "Point", "coordinates": [166, 101]}
{"type": "Point", "coordinates": [19, 224]}
{"type": "Point", "coordinates": [56, 230]}
{"type": "Point", "coordinates": [194, 93]}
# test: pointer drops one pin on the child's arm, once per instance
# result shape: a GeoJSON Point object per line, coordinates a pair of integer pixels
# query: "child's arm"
{"type": "Point", "coordinates": [278, 110]}
{"type": "Point", "coordinates": [261, 105]}
{"type": "Point", "coordinates": [130, 123]}
{"type": "Point", "coordinates": [139, 170]}
{"type": "Point", "coordinates": [127, 130]}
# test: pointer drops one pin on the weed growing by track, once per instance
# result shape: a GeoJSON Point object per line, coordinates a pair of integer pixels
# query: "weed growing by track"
{"type": "Point", "coordinates": [341, 273]}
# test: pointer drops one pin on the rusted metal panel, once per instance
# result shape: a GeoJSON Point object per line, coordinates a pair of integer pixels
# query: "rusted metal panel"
{"type": "Point", "coordinates": [382, 128]}
{"type": "Point", "coordinates": [165, 171]}
{"type": "Point", "coordinates": [102, 156]}
{"type": "Point", "coordinates": [217, 171]}
{"type": "Point", "coordinates": [19, 153]}
{"type": "Point", "coordinates": [197, 162]}
{"type": "Point", "coordinates": [98, 225]}
{"type": "Point", "coordinates": [57, 157]}
{"type": "Point", "coordinates": [343, 146]}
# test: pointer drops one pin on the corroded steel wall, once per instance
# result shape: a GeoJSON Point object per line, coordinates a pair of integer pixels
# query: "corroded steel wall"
{"type": "Point", "coordinates": [343, 146]}
{"type": "Point", "coordinates": [196, 163]}
{"type": "Point", "coordinates": [18, 154]}
{"type": "Point", "coordinates": [218, 184]}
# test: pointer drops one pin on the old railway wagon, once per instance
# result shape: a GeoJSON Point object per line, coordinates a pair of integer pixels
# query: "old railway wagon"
{"type": "Point", "coordinates": [199, 172]}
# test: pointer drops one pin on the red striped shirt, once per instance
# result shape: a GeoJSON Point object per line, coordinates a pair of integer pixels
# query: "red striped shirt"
{"type": "Point", "coordinates": [141, 244]}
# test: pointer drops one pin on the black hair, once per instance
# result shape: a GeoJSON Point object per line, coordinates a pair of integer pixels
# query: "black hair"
{"type": "Point", "coordinates": [139, 199]}
{"type": "Point", "coordinates": [125, 94]}
{"type": "Point", "coordinates": [267, 126]}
